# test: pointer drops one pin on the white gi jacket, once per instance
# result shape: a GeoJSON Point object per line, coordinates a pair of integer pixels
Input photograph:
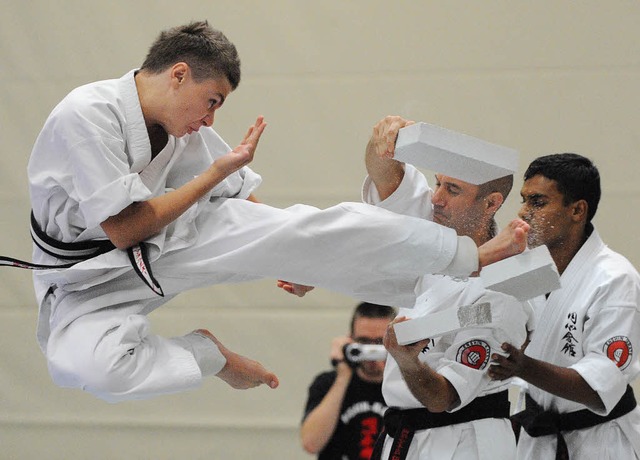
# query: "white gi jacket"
{"type": "Point", "coordinates": [479, 439]}
{"type": "Point", "coordinates": [93, 158]}
{"type": "Point", "coordinates": [591, 325]}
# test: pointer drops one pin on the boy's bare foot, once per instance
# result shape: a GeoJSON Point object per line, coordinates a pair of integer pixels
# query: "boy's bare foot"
{"type": "Point", "coordinates": [241, 372]}
{"type": "Point", "coordinates": [510, 241]}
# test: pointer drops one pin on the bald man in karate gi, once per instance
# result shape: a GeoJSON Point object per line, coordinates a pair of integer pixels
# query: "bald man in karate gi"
{"type": "Point", "coordinates": [443, 404]}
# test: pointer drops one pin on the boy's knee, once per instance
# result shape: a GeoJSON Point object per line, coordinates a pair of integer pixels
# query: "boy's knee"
{"type": "Point", "coordinates": [98, 377]}
{"type": "Point", "coordinates": [108, 367]}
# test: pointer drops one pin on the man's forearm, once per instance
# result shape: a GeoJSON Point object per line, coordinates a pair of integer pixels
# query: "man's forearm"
{"type": "Point", "coordinates": [318, 427]}
{"type": "Point", "coordinates": [142, 220]}
{"type": "Point", "coordinates": [560, 381]}
{"type": "Point", "coordinates": [430, 388]}
{"type": "Point", "coordinates": [386, 173]}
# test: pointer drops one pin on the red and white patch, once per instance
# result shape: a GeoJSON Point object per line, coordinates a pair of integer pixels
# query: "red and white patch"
{"type": "Point", "coordinates": [474, 354]}
{"type": "Point", "coordinates": [619, 350]}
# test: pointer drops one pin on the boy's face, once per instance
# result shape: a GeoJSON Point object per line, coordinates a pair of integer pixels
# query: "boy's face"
{"type": "Point", "coordinates": [194, 104]}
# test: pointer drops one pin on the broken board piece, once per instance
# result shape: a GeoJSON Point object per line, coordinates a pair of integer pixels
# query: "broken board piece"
{"type": "Point", "coordinates": [454, 154]}
{"type": "Point", "coordinates": [443, 322]}
{"type": "Point", "coordinates": [524, 276]}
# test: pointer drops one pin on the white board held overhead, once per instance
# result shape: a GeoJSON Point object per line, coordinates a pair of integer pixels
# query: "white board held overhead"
{"type": "Point", "coordinates": [454, 154]}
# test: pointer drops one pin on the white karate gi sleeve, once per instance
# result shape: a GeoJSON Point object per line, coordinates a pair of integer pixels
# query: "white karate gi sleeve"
{"type": "Point", "coordinates": [611, 338]}
{"type": "Point", "coordinates": [206, 353]}
{"type": "Point", "coordinates": [411, 198]}
{"type": "Point", "coordinates": [463, 358]}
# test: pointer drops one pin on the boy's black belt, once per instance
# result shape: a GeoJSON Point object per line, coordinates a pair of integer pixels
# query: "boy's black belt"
{"type": "Point", "coordinates": [81, 251]}
{"type": "Point", "coordinates": [401, 424]}
{"type": "Point", "coordinates": [538, 422]}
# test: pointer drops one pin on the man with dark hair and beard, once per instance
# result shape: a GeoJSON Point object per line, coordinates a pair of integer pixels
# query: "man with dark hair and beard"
{"type": "Point", "coordinates": [583, 353]}
{"type": "Point", "coordinates": [343, 414]}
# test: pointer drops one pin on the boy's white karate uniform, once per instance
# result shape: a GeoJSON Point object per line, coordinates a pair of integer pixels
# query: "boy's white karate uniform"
{"type": "Point", "coordinates": [93, 159]}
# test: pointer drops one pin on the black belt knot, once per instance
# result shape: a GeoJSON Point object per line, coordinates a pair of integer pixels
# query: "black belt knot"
{"type": "Point", "coordinates": [538, 422]}
{"type": "Point", "coordinates": [83, 250]}
{"type": "Point", "coordinates": [401, 424]}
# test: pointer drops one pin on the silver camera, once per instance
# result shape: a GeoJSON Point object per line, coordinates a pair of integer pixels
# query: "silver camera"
{"type": "Point", "coordinates": [355, 353]}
